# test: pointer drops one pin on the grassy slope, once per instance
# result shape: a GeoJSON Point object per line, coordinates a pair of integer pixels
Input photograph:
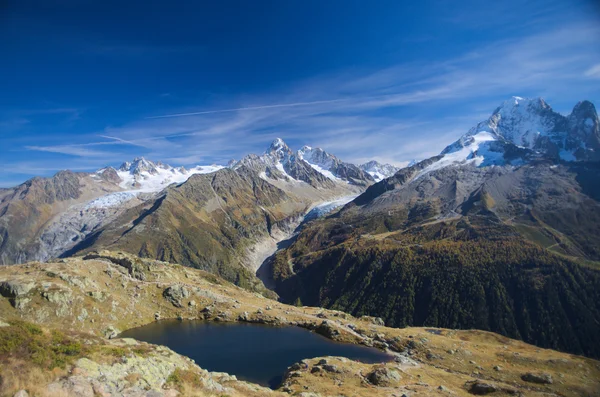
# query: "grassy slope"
{"type": "Point", "coordinates": [473, 272]}
{"type": "Point", "coordinates": [121, 291]}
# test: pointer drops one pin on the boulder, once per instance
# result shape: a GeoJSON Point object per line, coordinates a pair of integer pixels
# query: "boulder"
{"type": "Point", "coordinates": [331, 368]}
{"type": "Point", "coordinates": [21, 393]}
{"type": "Point", "coordinates": [175, 294]}
{"type": "Point", "coordinates": [482, 388]}
{"type": "Point", "coordinates": [111, 332]}
{"type": "Point", "coordinates": [326, 328]}
{"type": "Point", "coordinates": [14, 289]}
{"type": "Point", "coordinates": [299, 366]}
{"type": "Point", "coordinates": [383, 376]}
{"type": "Point", "coordinates": [537, 378]}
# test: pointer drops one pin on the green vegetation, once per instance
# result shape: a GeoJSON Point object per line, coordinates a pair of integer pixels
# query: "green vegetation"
{"type": "Point", "coordinates": [48, 350]}
{"type": "Point", "coordinates": [470, 273]}
{"type": "Point", "coordinates": [181, 379]}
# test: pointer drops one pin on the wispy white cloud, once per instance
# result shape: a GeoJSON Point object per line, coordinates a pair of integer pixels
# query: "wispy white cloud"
{"type": "Point", "coordinates": [593, 72]}
{"type": "Point", "coordinates": [396, 114]}
{"type": "Point", "coordinates": [73, 150]}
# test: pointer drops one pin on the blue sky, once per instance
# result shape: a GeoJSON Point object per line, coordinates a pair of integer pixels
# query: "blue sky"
{"type": "Point", "coordinates": [84, 84]}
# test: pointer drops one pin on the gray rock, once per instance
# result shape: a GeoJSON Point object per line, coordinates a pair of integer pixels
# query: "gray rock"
{"type": "Point", "coordinates": [21, 393]}
{"type": "Point", "coordinates": [175, 294]}
{"type": "Point", "coordinates": [12, 290]}
{"type": "Point", "coordinates": [482, 388]}
{"type": "Point", "coordinates": [243, 316]}
{"type": "Point", "coordinates": [537, 378]}
{"type": "Point", "coordinates": [383, 376]}
{"type": "Point", "coordinates": [299, 366]}
{"type": "Point", "coordinates": [207, 312]}
{"type": "Point", "coordinates": [111, 332]}
{"type": "Point", "coordinates": [326, 328]}
{"type": "Point", "coordinates": [331, 368]}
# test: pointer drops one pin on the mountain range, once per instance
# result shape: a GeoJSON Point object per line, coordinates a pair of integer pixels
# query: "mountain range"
{"type": "Point", "coordinates": [500, 231]}
{"type": "Point", "coordinates": [219, 218]}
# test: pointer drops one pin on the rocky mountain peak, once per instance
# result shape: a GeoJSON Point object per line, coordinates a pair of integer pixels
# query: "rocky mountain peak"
{"type": "Point", "coordinates": [584, 126]}
{"type": "Point", "coordinates": [522, 128]}
{"type": "Point", "coordinates": [279, 148]}
{"type": "Point", "coordinates": [522, 121]}
{"type": "Point", "coordinates": [317, 156]}
{"type": "Point", "coordinates": [378, 170]}
{"type": "Point", "coordinates": [530, 104]}
{"type": "Point", "coordinates": [139, 165]}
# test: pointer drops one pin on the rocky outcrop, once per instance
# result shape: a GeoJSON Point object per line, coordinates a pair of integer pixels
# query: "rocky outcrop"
{"type": "Point", "coordinates": [537, 378]}
{"type": "Point", "coordinates": [482, 388]}
{"type": "Point", "coordinates": [384, 376]}
{"type": "Point", "coordinates": [14, 288]}
{"type": "Point", "coordinates": [175, 294]}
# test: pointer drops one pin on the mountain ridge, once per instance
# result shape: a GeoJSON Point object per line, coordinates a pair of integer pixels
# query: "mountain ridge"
{"type": "Point", "coordinates": [528, 217]}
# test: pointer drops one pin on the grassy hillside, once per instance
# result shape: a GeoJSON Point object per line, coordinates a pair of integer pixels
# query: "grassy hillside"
{"type": "Point", "coordinates": [55, 319]}
{"type": "Point", "coordinates": [467, 273]}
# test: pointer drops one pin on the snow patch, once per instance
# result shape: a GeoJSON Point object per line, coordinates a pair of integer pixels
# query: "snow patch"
{"type": "Point", "coordinates": [325, 172]}
{"type": "Point", "coordinates": [476, 151]}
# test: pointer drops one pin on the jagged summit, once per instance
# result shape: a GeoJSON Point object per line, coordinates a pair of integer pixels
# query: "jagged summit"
{"type": "Point", "coordinates": [145, 175]}
{"type": "Point", "coordinates": [311, 165]}
{"type": "Point", "coordinates": [521, 129]}
{"type": "Point", "coordinates": [279, 148]}
{"type": "Point", "coordinates": [140, 165]}
{"type": "Point", "coordinates": [378, 170]}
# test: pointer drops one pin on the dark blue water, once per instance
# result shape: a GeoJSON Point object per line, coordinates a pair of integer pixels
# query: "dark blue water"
{"type": "Point", "coordinates": [252, 352]}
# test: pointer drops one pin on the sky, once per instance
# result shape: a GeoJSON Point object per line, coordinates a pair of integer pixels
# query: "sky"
{"type": "Point", "coordinates": [85, 84]}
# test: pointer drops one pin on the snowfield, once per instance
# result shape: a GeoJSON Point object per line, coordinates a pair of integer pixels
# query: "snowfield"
{"type": "Point", "coordinates": [160, 178]}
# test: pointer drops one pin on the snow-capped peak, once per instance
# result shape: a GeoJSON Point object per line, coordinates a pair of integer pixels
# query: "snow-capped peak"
{"type": "Point", "coordinates": [527, 128]}
{"type": "Point", "coordinates": [278, 147]}
{"type": "Point", "coordinates": [141, 175]}
{"type": "Point", "coordinates": [317, 156]}
{"type": "Point", "coordinates": [378, 170]}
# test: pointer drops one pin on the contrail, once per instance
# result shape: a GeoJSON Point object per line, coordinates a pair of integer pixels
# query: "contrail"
{"type": "Point", "coordinates": [282, 105]}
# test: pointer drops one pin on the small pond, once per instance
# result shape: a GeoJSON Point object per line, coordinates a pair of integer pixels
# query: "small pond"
{"type": "Point", "coordinates": [252, 352]}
